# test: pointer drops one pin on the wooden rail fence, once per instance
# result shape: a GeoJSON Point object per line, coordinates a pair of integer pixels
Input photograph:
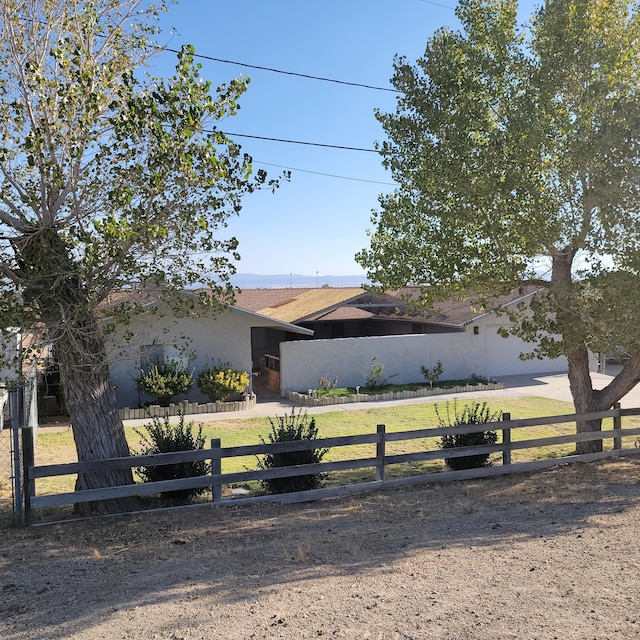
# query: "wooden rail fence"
{"type": "Point", "coordinates": [379, 462]}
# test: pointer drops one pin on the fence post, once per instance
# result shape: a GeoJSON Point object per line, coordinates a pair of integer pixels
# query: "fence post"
{"type": "Point", "coordinates": [506, 439]}
{"type": "Point", "coordinates": [617, 424]}
{"type": "Point", "coordinates": [216, 469]}
{"type": "Point", "coordinates": [380, 447]}
{"type": "Point", "coordinates": [28, 460]}
{"type": "Point", "coordinates": [14, 410]}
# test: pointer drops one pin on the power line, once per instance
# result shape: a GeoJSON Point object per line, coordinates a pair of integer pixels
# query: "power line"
{"type": "Point", "coordinates": [288, 73]}
{"type": "Point", "coordinates": [328, 175]}
{"type": "Point", "coordinates": [312, 144]}
{"type": "Point", "coordinates": [437, 4]}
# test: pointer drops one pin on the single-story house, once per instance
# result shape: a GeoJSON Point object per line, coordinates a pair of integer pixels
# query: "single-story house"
{"type": "Point", "coordinates": [351, 326]}
{"type": "Point", "coordinates": [194, 337]}
{"type": "Point", "coordinates": [293, 336]}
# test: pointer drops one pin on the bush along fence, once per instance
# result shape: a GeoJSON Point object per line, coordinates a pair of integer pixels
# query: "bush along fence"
{"type": "Point", "coordinates": [380, 462]}
{"type": "Point", "coordinates": [306, 400]}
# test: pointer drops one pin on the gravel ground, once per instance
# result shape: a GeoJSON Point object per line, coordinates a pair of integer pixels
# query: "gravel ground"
{"type": "Point", "coordinates": [547, 555]}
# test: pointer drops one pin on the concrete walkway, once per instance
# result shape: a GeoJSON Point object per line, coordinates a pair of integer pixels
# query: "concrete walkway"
{"type": "Point", "coordinates": [553, 385]}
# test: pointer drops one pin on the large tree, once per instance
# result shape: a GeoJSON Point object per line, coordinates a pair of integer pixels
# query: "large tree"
{"type": "Point", "coordinates": [515, 147]}
{"type": "Point", "coordinates": [109, 180]}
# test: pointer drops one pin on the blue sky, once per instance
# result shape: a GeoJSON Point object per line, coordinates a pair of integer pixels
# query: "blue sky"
{"type": "Point", "coordinates": [315, 223]}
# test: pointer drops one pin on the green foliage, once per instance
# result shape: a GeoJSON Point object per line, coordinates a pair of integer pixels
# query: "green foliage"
{"type": "Point", "coordinates": [432, 374]}
{"type": "Point", "coordinates": [290, 429]}
{"type": "Point", "coordinates": [375, 376]}
{"type": "Point", "coordinates": [163, 437]}
{"type": "Point", "coordinates": [473, 413]}
{"type": "Point", "coordinates": [516, 147]}
{"type": "Point", "coordinates": [327, 383]}
{"type": "Point", "coordinates": [335, 392]}
{"type": "Point", "coordinates": [221, 381]}
{"type": "Point", "coordinates": [164, 381]}
{"type": "Point", "coordinates": [111, 180]}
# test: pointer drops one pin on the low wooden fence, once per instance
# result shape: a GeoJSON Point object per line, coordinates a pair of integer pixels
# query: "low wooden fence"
{"type": "Point", "coordinates": [380, 462]}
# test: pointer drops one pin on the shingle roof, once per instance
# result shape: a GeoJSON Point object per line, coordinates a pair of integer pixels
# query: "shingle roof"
{"type": "Point", "coordinates": [295, 305]}
{"type": "Point", "coordinates": [342, 313]}
{"type": "Point", "coordinates": [461, 312]}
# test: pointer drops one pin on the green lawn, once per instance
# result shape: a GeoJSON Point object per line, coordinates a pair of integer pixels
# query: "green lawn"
{"type": "Point", "coordinates": [57, 447]}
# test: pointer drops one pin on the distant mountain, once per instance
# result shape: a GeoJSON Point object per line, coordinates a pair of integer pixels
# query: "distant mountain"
{"type": "Point", "coordinates": [259, 281]}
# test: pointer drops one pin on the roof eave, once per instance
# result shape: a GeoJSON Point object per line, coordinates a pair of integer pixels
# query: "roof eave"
{"type": "Point", "coordinates": [280, 324]}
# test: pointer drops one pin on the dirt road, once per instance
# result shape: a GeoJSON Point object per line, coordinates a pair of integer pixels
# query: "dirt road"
{"type": "Point", "coordinates": [551, 555]}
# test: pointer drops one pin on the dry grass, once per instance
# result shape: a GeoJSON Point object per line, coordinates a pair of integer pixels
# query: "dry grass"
{"type": "Point", "coordinates": [57, 446]}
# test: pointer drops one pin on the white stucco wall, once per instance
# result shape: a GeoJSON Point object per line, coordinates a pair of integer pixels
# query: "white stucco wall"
{"type": "Point", "coordinates": [462, 354]}
{"type": "Point", "coordinates": [203, 341]}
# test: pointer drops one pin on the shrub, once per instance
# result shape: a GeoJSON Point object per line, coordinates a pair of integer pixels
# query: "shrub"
{"type": "Point", "coordinates": [374, 378]}
{"type": "Point", "coordinates": [289, 429]}
{"type": "Point", "coordinates": [221, 381]}
{"type": "Point", "coordinates": [474, 413]}
{"type": "Point", "coordinates": [327, 384]}
{"type": "Point", "coordinates": [163, 382]}
{"type": "Point", "coordinates": [164, 437]}
{"type": "Point", "coordinates": [432, 374]}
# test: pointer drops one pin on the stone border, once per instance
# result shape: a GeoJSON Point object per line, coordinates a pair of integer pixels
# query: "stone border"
{"type": "Point", "coordinates": [187, 408]}
{"type": "Point", "coordinates": [306, 400]}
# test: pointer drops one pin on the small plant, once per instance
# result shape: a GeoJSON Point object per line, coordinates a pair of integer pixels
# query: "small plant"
{"type": "Point", "coordinates": [432, 374]}
{"type": "Point", "coordinates": [374, 378]}
{"type": "Point", "coordinates": [164, 381]}
{"type": "Point", "coordinates": [290, 429]}
{"type": "Point", "coordinates": [326, 383]}
{"type": "Point", "coordinates": [474, 413]}
{"type": "Point", "coordinates": [221, 381]}
{"type": "Point", "coordinates": [163, 437]}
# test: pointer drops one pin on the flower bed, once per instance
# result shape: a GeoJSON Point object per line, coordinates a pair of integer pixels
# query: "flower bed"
{"type": "Point", "coordinates": [306, 400]}
{"type": "Point", "coordinates": [187, 408]}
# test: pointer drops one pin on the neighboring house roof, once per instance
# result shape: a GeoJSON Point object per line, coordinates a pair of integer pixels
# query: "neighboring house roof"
{"type": "Point", "coordinates": [326, 304]}
{"type": "Point", "coordinates": [343, 313]}
{"type": "Point", "coordinates": [465, 311]}
{"type": "Point", "coordinates": [149, 299]}
{"type": "Point", "coordinates": [294, 305]}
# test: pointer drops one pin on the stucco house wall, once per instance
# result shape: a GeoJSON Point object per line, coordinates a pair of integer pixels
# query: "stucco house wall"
{"type": "Point", "coordinates": [194, 341]}
{"type": "Point", "coordinates": [478, 351]}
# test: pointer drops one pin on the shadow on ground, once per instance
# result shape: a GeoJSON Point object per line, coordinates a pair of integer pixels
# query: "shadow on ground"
{"type": "Point", "coordinates": [58, 580]}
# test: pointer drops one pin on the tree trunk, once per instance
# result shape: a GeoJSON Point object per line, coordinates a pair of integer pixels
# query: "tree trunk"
{"type": "Point", "coordinates": [53, 289]}
{"type": "Point", "coordinates": [584, 398]}
{"type": "Point", "coordinates": [570, 324]}
{"type": "Point", "coordinates": [91, 403]}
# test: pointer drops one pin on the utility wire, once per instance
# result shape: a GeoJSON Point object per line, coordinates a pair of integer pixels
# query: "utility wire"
{"type": "Point", "coordinates": [312, 144]}
{"type": "Point", "coordinates": [328, 175]}
{"type": "Point", "coordinates": [437, 4]}
{"type": "Point", "coordinates": [288, 73]}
